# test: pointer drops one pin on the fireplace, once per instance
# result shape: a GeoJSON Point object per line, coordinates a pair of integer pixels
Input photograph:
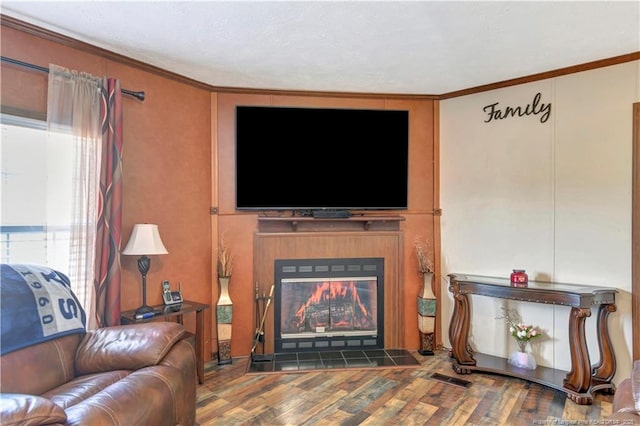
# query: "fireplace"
{"type": "Point", "coordinates": [328, 304]}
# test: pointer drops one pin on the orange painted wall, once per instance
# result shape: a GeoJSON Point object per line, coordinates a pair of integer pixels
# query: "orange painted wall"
{"type": "Point", "coordinates": [178, 163]}
{"type": "Point", "coordinates": [166, 162]}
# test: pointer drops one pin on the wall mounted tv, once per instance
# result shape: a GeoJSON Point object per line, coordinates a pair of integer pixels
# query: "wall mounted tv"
{"type": "Point", "coordinates": [321, 160]}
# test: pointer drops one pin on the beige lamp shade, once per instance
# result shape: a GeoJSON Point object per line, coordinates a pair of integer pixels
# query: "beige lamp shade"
{"type": "Point", "coordinates": [145, 240]}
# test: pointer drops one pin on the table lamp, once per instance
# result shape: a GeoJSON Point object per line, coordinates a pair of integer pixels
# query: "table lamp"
{"type": "Point", "coordinates": [144, 241]}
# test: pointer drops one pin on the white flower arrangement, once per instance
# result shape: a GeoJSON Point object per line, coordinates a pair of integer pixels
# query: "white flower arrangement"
{"type": "Point", "coordinates": [520, 331]}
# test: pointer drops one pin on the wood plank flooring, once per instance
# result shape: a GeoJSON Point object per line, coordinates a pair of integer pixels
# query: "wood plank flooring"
{"type": "Point", "coordinates": [384, 397]}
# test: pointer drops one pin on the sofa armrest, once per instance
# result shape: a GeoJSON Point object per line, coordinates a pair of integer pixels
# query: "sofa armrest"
{"type": "Point", "coordinates": [126, 347]}
{"type": "Point", "coordinates": [626, 402]}
{"type": "Point", "coordinates": [635, 385]}
{"type": "Point", "coordinates": [22, 409]}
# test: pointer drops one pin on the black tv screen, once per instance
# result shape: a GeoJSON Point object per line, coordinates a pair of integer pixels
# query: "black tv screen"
{"type": "Point", "coordinates": [321, 159]}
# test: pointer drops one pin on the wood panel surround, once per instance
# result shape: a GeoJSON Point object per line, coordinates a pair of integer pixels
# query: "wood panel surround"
{"type": "Point", "coordinates": [299, 237]}
{"type": "Point", "coordinates": [323, 242]}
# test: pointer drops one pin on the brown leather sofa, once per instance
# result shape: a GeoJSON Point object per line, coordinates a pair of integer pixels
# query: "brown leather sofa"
{"type": "Point", "coordinates": [142, 374]}
{"type": "Point", "coordinates": [626, 402]}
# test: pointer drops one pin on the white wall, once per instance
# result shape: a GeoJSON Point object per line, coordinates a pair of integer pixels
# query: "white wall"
{"type": "Point", "coordinates": [550, 197]}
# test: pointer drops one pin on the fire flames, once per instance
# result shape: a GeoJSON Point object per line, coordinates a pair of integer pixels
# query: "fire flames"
{"type": "Point", "coordinates": [334, 305]}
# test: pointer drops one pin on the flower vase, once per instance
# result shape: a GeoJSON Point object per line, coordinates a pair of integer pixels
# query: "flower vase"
{"type": "Point", "coordinates": [521, 358]}
{"type": "Point", "coordinates": [427, 315]}
{"type": "Point", "coordinates": [224, 315]}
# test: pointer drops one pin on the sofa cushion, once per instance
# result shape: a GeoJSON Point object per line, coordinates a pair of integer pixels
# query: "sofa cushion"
{"type": "Point", "coordinates": [149, 396]}
{"type": "Point", "coordinates": [126, 347]}
{"type": "Point", "coordinates": [83, 387]}
{"type": "Point", "coordinates": [25, 410]}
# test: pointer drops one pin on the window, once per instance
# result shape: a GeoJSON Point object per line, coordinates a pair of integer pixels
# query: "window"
{"type": "Point", "coordinates": [35, 193]}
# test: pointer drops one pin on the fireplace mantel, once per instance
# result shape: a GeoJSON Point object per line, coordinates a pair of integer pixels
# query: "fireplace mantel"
{"type": "Point", "coordinates": [311, 224]}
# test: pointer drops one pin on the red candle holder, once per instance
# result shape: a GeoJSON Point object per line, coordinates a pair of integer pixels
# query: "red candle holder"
{"type": "Point", "coordinates": [519, 278]}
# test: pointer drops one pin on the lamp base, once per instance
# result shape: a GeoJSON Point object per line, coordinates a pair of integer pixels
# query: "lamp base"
{"type": "Point", "coordinates": [144, 309]}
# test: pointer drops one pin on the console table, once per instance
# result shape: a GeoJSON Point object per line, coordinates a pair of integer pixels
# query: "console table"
{"type": "Point", "coordinates": [583, 379]}
{"type": "Point", "coordinates": [176, 312]}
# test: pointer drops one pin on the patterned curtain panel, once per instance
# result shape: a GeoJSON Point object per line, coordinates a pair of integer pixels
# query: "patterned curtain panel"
{"type": "Point", "coordinates": [107, 267]}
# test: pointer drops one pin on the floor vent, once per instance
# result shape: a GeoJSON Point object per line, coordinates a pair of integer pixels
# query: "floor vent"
{"type": "Point", "coordinates": [451, 380]}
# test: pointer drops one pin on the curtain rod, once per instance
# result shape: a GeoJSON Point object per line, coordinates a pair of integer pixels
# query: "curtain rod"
{"type": "Point", "coordinates": [139, 95]}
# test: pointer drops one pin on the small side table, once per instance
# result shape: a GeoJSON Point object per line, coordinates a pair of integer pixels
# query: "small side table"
{"type": "Point", "coordinates": [168, 313]}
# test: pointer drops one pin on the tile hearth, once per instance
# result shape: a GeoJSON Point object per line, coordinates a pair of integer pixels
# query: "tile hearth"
{"type": "Point", "coordinates": [330, 360]}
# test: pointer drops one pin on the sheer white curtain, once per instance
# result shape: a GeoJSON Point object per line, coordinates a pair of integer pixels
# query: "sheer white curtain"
{"type": "Point", "coordinates": [73, 106]}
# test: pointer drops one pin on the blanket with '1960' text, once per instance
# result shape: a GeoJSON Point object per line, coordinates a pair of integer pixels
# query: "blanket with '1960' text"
{"type": "Point", "coordinates": [36, 305]}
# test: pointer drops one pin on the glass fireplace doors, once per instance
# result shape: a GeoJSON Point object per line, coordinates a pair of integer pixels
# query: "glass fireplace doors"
{"type": "Point", "coordinates": [328, 304]}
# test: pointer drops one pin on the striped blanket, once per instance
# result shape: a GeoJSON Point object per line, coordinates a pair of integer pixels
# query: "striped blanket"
{"type": "Point", "coordinates": [36, 305]}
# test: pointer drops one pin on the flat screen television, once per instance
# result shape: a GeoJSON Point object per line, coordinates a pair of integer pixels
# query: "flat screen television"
{"type": "Point", "coordinates": [321, 159]}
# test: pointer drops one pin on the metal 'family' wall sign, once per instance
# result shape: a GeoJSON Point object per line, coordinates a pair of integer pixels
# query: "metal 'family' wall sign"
{"type": "Point", "coordinates": [536, 107]}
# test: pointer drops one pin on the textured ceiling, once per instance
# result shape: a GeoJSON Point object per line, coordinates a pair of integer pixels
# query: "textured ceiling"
{"type": "Point", "coordinates": [415, 47]}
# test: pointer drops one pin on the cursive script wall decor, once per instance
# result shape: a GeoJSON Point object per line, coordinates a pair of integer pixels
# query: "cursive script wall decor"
{"type": "Point", "coordinates": [534, 108]}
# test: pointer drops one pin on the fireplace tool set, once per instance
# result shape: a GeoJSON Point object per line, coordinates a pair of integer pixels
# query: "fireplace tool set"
{"type": "Point", "coordinates": [262, 306]}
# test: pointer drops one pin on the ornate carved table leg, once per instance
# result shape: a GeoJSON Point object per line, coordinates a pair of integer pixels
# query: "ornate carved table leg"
{"type": "Point", "coordinates": [605, 369]}
{"type": "Point", "coordinates": [453, 324]}
{"type": "Point", "coordinates": [578, 379]}
{"type": "Point", "coordinates": [459, 332]}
